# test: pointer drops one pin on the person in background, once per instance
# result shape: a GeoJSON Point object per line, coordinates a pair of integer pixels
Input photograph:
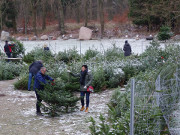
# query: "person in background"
{"type": "Point", "coordinates": [39, 82]}
{"type": "Point", "coordinates": [7, 49]}
{"type": "Point", "coordinates": [127, 49]}
{"type": "Point", "coordinates": [46, 48]}
{"type": "Point", "coordinates": [33, 69]}
{"type": "Point", "coordinates": [85, 81]}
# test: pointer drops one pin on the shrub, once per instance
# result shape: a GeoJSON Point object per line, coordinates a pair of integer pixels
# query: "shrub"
{"type": "Point", "coordinates": [113, 76]}
{"type": "Point", "coordinates": [39, 54]}
{"type": "Point", "coordinates": [18, 49]}
{"type": "Point", "coordinates": [68, 55]}
{"type": "Point", "coordinates": [164, 33]}
{"type": "Point", "coordinates": [29, 58]}
{"type": "Point", "coordinates": [99, 82]}
{"type": "Point", "coordinates": [22, 83]}
{"type": "Point", "coordinates": [114, 53]}
{"type": "Point", "coordinates": [90, 54]}
{"type": "Point", "coordinates": [9, 70]}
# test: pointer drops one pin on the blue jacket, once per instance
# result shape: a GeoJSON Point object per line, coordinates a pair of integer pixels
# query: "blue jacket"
{"type": "Point", "coordinates": [40, 81]}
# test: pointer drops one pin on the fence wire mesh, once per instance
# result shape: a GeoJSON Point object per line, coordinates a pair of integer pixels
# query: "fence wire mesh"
{"type": "Point", "coordinates": [157, 106]}
{"type": "Point", "coordinates": [169, 101]}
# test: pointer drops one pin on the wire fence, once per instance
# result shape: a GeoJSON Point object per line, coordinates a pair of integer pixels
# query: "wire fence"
{"type": "Point", "coordinates": [138, 46]}
{"type": "Point", "coordinates": [155, 106]}
{"type": "Point", "coordinates": [169, 102]}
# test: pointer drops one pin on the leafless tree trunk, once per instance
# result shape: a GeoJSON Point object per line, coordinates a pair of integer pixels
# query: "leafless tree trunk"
{"type": "Point", "coordinates": [91, 10]}
{"type": "Point", "coordinates": [34, 5]}
{"type": "Point", "coordinates": [98, 16]}
{"type": "Point", "coordinates": [101, 14]}
{"type": "Point", "coordinates": [86, 13]}
{"type": "Point", "coordinates": [110, 9]}
{"type": "Point", "coordinates": [44, 3]}
{"type": "Point", "coordinates": [78, 12]}
{"type": "Point", "coordinates": [61, 17]}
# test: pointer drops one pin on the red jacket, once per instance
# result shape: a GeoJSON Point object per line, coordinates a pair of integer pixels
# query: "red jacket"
{"type": "Point", "coordinates": [7, 47]}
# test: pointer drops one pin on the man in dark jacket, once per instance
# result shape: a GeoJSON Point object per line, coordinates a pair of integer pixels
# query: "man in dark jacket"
{"type": "Point", "coordinates": [33, 69]}
{"type": "Point", "coordinates": [7, 49]}
{"type": "Point", "coordinates": [39, 82]}
{"type": "Point", "coordinates": [127, 49]}
{"type": "Point", "coordinates": [85, 81]}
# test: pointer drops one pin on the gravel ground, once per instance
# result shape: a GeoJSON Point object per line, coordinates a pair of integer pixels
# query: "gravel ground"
{"type": "Point", "coordinates": [18, 114]}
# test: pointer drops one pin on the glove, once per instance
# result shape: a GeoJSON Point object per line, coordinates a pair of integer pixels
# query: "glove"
{"type": "Point", "coordinates": [85, 87]}
{"type": "Point", "coordinates": [53, 83]}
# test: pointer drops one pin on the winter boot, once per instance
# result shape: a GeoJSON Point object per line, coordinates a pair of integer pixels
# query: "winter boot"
{"type": "Point", "coordinates": [82, 108]}
{"type": "Point", "coordinates": [86, 109]}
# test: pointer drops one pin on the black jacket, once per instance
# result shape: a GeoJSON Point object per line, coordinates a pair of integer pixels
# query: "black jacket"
{"type": "Point", "coordinates": [127, 49]}
{"type": "Point", "coordinates": [35, 67]}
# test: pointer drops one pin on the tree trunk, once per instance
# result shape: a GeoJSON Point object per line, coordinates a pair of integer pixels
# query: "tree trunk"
{"type": "Point", "coordinates": [34, 10]}
{"type": "Point", "coordinates": [86, 13]}
{"type": "Point", "coordinates": [78, 13]}
{"type": "Point", "coordinates": [98, 16]}
{"type": "Point", "coordinates": [61, 22]}
{"type": "Point", "coordinates": [44, 14]}
{"type": "Point", "coordinates": [101, 14]}
{"type": "Point", "coordinates": [91, 10]}
{"type": "Point", "coordinates": [110, 9]}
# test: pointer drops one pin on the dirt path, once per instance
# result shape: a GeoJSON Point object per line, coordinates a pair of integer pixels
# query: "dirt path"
{"type": "Point", "coordinates": [18, 114]}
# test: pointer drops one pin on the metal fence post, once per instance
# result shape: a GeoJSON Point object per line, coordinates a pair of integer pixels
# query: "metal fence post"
{"type": "Point", "coordinates": [80, 47]}
{"type": "Point", "coordinates": [132, 107]}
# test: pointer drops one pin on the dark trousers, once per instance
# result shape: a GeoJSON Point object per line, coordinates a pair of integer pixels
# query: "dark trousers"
{"type": "Point", "coordinates": [38, 103]}
{"type": "Point", "coordinates": [87, 98]}
{"type": "Point", "coordinates": [8, 55]}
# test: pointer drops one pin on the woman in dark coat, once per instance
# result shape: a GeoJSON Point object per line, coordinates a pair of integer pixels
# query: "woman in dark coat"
{"type": "Point", "coordinates": [127, 49]}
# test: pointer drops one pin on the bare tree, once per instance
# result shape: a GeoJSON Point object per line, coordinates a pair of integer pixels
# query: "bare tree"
{"type": "Point", "coordinates": [61, 17]}
{"type": "Point", "coordinates": [101, 15]}
{"type": "Point", "coordinates": [44, 12]}
{"type": "Point", "coordinates": [34, 5]}
{"type": "Point", "coordinates": [77, 7]}
{"type": "Point", "coordinates": [86, 13]}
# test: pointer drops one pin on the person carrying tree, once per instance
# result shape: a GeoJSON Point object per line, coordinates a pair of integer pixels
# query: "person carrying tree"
{"type": "Point", "coordinates": [33, 69]}
{"type": "Point", "coordinates": [85, 81]}
{"type": "Point", "coordinates": [39, 83]}
{"type": "Point", "coordinates": [7, 49]}
{"type": "Point", "coordinates": [127, 49]}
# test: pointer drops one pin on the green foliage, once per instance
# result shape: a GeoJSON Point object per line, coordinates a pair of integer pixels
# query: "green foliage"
{"type": "Point", "coordinates": [68, 56]}
{"type": "Point", "coordinates": [164, 33]}
{"type": "Point", "coordinates": [113, 76]}
{"type": "Point", "coordinates": [9, 13]}
{"type": "Point", "coordinates": [129, 71]}
{"type": "Point", "coordinates": [146, 13]}
{"type": "Point", "coordinates": [9, 70]}
{"type": "Point", "coordinates": [39, 54]}
{"type": "Point", "coordinates": [57, 99]}
{"type": "Point", "coordinates": [18, 49]}
{"type": "Point", "coordinates": [29, 58]}
{"type": "Point", "coordinates": [90, 54]}
{"type": "Point", "coordinates": [114, 53]}
{"type": "Point", "coordinates": [22, 83]}
{"type": "Point", "coordinates": [99, 82]}
{"type": "Point", "coordinates": [152, 62]}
